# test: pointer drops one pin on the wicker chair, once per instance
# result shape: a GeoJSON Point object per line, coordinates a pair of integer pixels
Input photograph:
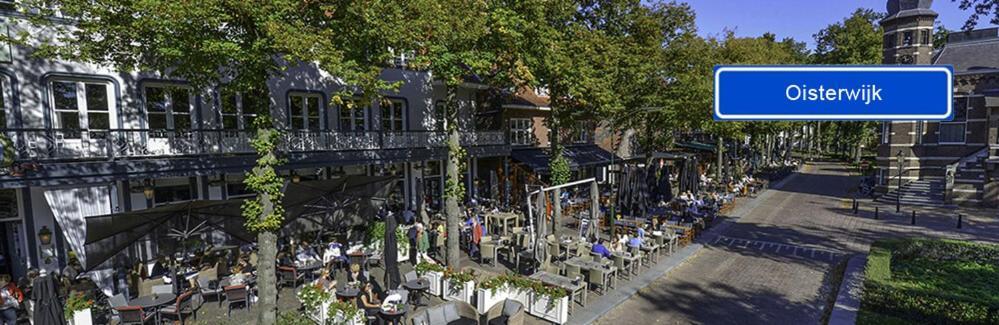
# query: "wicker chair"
{"type": "Point", "coordinates": [451, 313]}
{"type": "Point", "coordinates": [510, 312]}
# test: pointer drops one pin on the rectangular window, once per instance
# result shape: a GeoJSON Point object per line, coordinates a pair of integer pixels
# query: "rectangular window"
{"type": "Point", "coordinates": [920, 129]}
{"type": "Point", "coordinates": [521, 131]}
{"type": "Point", "coordinates": [924, 37]}
{"type": "Point", "coordinates": [168, 108]}
{"type": "Point", "coordinates": [252, 103]}
{"type": "Point", "coordinates": [907, 38]}
{"type": "Point", "coordinates": [393, 115]}
{"type": "Point", "coordinates": [886, 132]}
{"type": "Point", "coordinates": [229, 110]}
{"type": "Point", "coordinates": [951, 132]}
{"type": "Point", "coordinates": [304, 112]}
{"type": "Point", "coordinates": [172, 193]}
{"type": "Point", "coordinates": [583, 132]}
{"type": "Point", "coordinates": [80, 106]}
{"type": "Point", "coordinates": [353, 117]}
{"type": "Point", "coordinates": [440, 116]}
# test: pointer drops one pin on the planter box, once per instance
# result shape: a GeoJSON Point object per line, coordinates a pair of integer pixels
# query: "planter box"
{"type": "Point", "coordinates": [319, 316]}
{"type": "Point", "coordinates": [436, 282]}
{"type": "Point", "coordinates": [556, 312]}
{"type": "Point", "coordinates": [82, 317]}
{"type": "Point", "coordinates": [464, 294]}
{"type": "Point", "coordinates": [485, 299]}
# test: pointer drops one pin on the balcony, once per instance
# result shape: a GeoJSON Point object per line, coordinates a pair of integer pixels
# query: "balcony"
{"type": "Point", "coordinates": [67, 144]}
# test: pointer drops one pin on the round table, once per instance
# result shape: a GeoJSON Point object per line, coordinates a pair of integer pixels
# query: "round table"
{"type": "Point", "coordinates": [347, 293]}
{"type": "Point", "coordinates": [392, 316]}
{"type": "Point", "coordinates": [416, 289]}
{"type": "Point", "coordinates": [153, 302]}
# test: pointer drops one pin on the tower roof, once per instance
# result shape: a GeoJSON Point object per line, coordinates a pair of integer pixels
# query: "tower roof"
{"type": "Point", "coordinates": [908, 8]}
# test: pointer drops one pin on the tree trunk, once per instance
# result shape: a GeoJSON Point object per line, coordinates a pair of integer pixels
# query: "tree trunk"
{"type": "Point", "coordinates": [451, 209]}
{"type": "Point", "coordinates": [266, 278]}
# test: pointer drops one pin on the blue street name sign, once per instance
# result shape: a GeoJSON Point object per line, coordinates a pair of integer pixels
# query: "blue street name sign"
{"type": "Point", "coordinates": [875, 93]}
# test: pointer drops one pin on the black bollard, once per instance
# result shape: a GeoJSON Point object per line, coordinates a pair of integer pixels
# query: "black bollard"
{"type": "Point", "coordinates": [959, 219]}
{"type": "Point", "coordinates": [913, 217]}
{"type": "Point", "coordinates": [876, 213]}
{"type": "Point", "coordinates": [856, 206]}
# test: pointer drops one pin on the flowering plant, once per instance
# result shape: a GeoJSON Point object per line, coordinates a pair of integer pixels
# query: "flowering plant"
{"type": "Point", "coordinates": [312, 296]}
{"type": "Point", "coordinates": [76, 302]}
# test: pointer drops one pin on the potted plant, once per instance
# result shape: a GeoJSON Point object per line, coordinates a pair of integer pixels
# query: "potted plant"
{"type": "Point", "coordinates": [550, 303]}
{"type": "Point", "coordinates": [459, 286]}
{"type": "Point", "coordinates": [502, 287]}
{"type": "Point", "coordinates": [434, 273]}
{"type": "Point", "coordinates": [344, 312]}
{"type": "Point", "coordinates": [316, 302]}
{"type": "Point", "coordinates": [77, 309]}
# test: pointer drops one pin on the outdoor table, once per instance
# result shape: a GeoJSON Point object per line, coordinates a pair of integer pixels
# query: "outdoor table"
{"type": "Point", "coordinates": [153, 302]}
{"type": "Point", "coordinates": [392, 316]}
{"type": "Point", "coordinates": [575, 288]}
{"type": "Point", "coordinates": [309, 270]}
{"type": "Point", "coordinates": [504, 219]}
{"type": "Point", "coordinates": [588, 264]}
{"type": "Point", "coordinates": [416, 289]}
{"type": "Point", "coordinates": [347, 293]}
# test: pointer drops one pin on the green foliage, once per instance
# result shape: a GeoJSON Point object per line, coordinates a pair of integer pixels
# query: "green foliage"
{"type": "Point", "coordinates": [293, 318]}
{"type": "Point", "coordinates": [559, 166]}
{"type": "Point", "coordinates": [940, 37]}
{"type": "Point", "coordinates": [345, 310]}
{"type": "Point", "coordinates": [519, 282]}
{"type": "Point", "coordinates": [76, 302]}
{"type": "Point", "coordinates": [265, 213]}
{"type": "Point", "coordinates": [855, 40]}
{"type": "Point", "coordinates": [932, 281]}
{"type": "Point", "coordinates": [313, 296]}
{"type": "Point", "coordinates": [8, 151]}
{"type": "Point", "coordinates": [458, 279]}
{"type": "Point", "coordinates": [425, 267]}
{"type": "Point", "coordinates": [980, 8]}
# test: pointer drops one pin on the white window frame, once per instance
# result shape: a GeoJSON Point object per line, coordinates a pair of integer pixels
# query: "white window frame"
{"type": "Point", "coordinates": [169, 111]}
{"type": "Point", "coordinates": [6, 102]}
{"type": "Point", "coordinates": [355, 114]}
{"type": "Point", "coordinates": [521, 131]}
{"type": "Point", "coordinates": [82, 110]}
{"type": "Point", "coordinates": [396, 113]}
{"type": "Point", "coordinates": [885, 132]}
{"type": "Point", "coordinates": [305, 99]}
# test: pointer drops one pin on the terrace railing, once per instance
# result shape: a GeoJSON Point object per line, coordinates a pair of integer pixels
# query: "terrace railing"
{"type": "Point", "coordinates": [72, 144]}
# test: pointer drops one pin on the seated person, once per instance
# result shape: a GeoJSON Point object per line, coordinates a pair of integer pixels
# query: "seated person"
{"type": "Point", "coordinates": [599, 248]}
{"type": "Point", "coordinates": [306, 255]}
{"type": "Point", "coordinates": [326, 281]}
{"type": "Point", "coordinates": [355, 275]}
{"type": "Point", "coordinates": [334, 253]}
{"type": "Point", "coordinates": [368, 300]}
{"type": "Point", "coordinates": [635, 241]}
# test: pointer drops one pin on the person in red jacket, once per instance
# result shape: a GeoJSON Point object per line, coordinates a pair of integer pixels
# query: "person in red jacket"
{"type": "Point", "coordinates": [11, 298]}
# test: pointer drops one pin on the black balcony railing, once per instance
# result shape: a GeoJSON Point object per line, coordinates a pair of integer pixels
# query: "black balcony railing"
{"type": "Point", "coordinates": [71, 144]}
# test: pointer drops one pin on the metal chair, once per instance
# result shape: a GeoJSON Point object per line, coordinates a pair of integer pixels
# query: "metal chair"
{"type": "Point", "coordinates": [130, 315]}
{"type": "Point", "coordinates": [487, 251]}
{"type": "Point", "coordinates": [116, 301]}
{"type": "Point", "coordinates": [288, 275]}
{"type": "Point", "coordinates": [595, 277]}
{"type": "Point", "coordinates": [181, 307]}
{"type": "Point", "coordinates": [235, 295]}
{"type": "Point", "coordinates": [572, 271]}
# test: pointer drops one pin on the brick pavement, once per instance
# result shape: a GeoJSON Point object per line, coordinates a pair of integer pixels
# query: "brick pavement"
{"type": "Point", "coordinates": [773, 265]}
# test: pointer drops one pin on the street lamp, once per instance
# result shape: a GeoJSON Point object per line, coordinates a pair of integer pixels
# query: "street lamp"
{"type": "Point", "coordinates": [898, 189]}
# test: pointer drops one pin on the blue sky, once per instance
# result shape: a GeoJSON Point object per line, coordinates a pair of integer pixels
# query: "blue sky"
{"type": "Point", "coordinates": [798, 18]}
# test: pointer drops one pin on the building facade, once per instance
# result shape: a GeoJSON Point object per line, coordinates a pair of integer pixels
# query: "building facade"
{"type": "Point", "coordinates": [950, 160]}
{"type": "Point", "coordinates": [89, 140]}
